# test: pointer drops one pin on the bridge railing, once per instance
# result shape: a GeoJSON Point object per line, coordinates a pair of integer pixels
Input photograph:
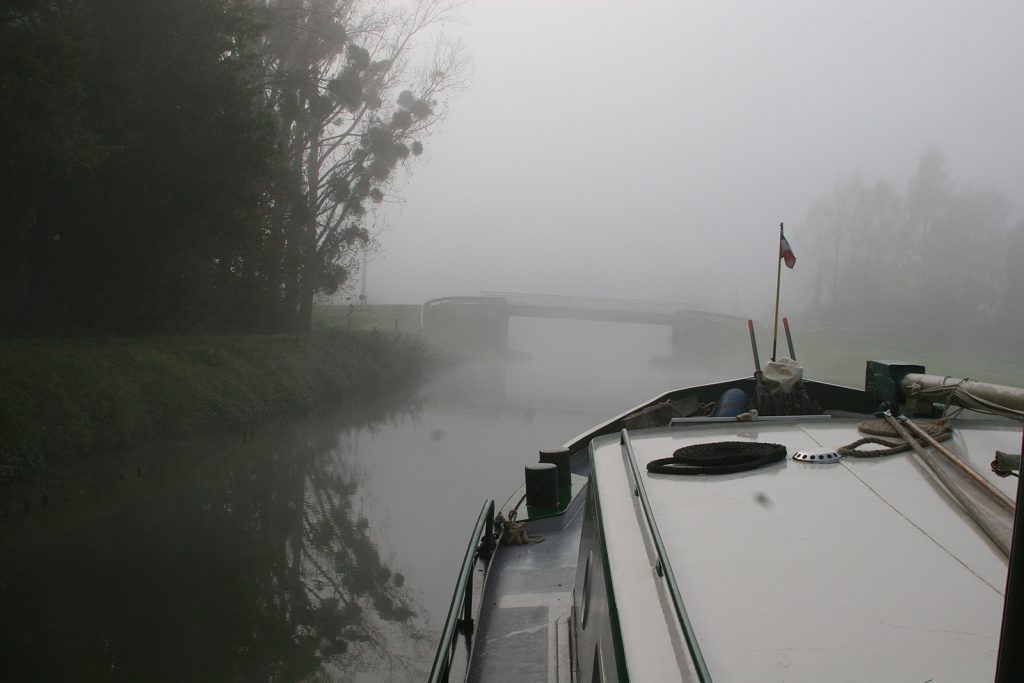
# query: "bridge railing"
{"type": "Point", "coordinates": [585, 302]}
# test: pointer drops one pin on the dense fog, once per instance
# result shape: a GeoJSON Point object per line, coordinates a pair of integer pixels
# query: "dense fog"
{"type": "Point", "coordinates": [650, 150]}
{"type": "Point", "coordinates": [183, 182]}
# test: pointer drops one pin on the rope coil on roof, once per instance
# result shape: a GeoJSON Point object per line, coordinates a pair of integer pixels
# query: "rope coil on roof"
{"type": "Point", "coordinates": [719, 457]}
{"type": "Point", "coordinates": [938, 430]}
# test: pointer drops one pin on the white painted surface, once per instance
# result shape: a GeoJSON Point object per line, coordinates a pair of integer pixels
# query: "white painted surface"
{"type": "Point", "coordinates": [863, 570]}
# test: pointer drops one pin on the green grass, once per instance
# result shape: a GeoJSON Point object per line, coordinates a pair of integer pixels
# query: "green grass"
{"type": "Point", "coordinates": [66, 397]}
{"type": "Point", "coordinates": [390, 317]}
{"type": "Point", "coordinates": [451, 334]}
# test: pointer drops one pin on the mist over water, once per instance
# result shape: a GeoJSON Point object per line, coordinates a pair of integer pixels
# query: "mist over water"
{"type": "Point", "coordinates": [602, 365]}
{"type": "Point", "coordinates": [325, 547]}
{"type": "Point", "coordinates": [582, 363]}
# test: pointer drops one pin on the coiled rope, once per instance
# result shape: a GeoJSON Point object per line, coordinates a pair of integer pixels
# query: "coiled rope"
{"type": "Point", "coordinates": [720, 457]}
{"type": "Point", "coordinates": [938, 430]}
{"type": "Point", "coordinates": [513, 532]}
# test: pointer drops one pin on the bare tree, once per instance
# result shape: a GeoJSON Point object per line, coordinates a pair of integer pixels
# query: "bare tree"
{"type": "Point", "coordinates": [357, 86]}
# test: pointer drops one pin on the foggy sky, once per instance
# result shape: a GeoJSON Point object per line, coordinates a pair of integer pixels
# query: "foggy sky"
{"type": "Point", "coordinates": [650, 149]}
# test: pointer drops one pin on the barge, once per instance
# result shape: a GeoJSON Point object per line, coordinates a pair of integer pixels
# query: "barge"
{"type": "Point", "coordinates": [767, 528]}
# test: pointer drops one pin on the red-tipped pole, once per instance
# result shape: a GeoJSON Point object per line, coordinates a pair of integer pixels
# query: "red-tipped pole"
{"type": "Point", "coordinates": [789, 338]}
{"type": "Point", "coordinates": [753, 345]}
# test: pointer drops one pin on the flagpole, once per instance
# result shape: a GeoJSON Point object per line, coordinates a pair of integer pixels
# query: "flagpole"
{"type": "Point", "coordinates": [778, 286]}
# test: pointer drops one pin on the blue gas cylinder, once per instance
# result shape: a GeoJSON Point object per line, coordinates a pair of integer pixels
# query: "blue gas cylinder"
{"type": "Point", "coordinates": [731, 403]}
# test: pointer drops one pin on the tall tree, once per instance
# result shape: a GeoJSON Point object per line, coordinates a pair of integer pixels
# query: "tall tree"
{"type": "Point", "coordinates": [955, 239]}
{"type": "Point", "coordinates": [352, 108]}
{"type": "Point", "coordinates": [1011, 304]}
{"type": "Point", "coordinates": [45, 138]}
{"type": "Point", "coordinates": [140, 160]}
{"type": "Point", "coordinates": [193, 150]}
{"type": "Point", "coordinates": [202, 164]}
{"type": "Point", "coordinates": [846, 260]}
{"type": "Point", "coordinates": [928, 261]}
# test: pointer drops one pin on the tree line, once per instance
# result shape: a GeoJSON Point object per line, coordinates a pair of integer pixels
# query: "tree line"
{"type": "Point", "coordinates": [934, 259]}
{"type": "Point", "coordinates": [202, 165]}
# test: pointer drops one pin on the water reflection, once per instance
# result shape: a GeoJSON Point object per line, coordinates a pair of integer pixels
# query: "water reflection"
{"type": "Point", "coordinates": [323, 549]}
{"type": "Point", "coordinates": [215, 560]}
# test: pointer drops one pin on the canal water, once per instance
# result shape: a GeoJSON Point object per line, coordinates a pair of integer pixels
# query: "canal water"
{"type": "Point", "coordinates": [322, 548]}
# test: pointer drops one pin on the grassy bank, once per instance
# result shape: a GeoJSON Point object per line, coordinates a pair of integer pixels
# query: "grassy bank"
{"type": "Point", "coordinates": [385, 317]}
{"type": "Point", "coordinates": [71, 396]}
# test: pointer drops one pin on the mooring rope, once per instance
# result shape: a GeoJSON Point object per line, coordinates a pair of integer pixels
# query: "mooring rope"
{"type": "Point", "coordinates": [720, 457]}
{"type": "Point", "coordinates": [938, 430]}
{"type": "Point", "coordinates": [513, 532]}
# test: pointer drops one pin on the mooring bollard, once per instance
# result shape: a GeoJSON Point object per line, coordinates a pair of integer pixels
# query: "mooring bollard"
{"type": "Point", "coordinates": [559, 457]}
{"type": "Point", "coordinates": [541, 488]}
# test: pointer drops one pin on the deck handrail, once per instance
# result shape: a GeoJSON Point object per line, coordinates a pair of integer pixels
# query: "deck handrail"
{"type": "Point", "coordinates": [481, 546]}
{"type": "Point", "coordinates": [664, 568]}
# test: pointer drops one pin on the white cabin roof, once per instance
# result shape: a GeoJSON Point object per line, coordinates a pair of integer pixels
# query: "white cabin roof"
{"type": "Point", "coordinates": [860, 570]}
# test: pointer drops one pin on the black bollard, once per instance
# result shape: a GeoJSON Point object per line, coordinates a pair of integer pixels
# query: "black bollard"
{"type": "Point", "coordinates": [541, 489]}
{"type": "Point", "coordinates": [559, 457]}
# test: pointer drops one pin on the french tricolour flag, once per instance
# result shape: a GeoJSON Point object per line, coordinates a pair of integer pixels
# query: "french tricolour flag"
{"type": "Point", "coordinates": [786, 252]}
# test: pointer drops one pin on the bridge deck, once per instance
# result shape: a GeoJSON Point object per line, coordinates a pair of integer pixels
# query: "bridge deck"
{"type": "Point", "coordinates": [635, 311]}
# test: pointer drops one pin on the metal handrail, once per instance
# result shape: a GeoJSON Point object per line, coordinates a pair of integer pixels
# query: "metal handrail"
{"type": "Point", "coordinates": [481, 545]}
{"type": "Point", "coordinates": [523, 298]}
{"type": "Point", "coordinates": [664, 568]}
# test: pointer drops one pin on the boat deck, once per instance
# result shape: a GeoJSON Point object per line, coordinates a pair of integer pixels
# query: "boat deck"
{"type": "Point", "coordinates": [523, 633]}
{"type": "Point", "coordinates": [772, 568]}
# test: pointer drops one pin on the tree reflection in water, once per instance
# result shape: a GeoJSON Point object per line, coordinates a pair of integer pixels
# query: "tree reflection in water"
{"type": "Point", "coordinates": [213, 560]}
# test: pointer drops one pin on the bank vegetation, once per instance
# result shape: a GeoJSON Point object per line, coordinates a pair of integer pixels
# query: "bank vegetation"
{"type": "Point", "coordinates": [68, 397]}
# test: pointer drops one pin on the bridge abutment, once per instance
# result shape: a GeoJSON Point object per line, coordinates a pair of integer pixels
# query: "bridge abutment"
{"type": "Point", "coordinates": [468, 325]}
